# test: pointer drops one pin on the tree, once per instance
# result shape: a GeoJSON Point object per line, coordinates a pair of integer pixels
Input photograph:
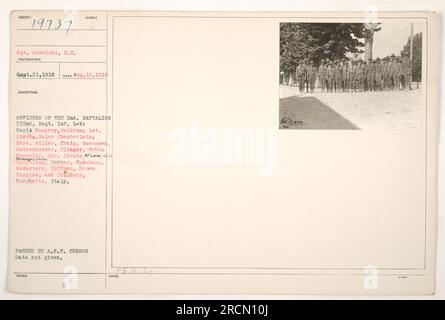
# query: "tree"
{"type": "Point", "coordinates": [370, 28]}
{"type": "Point", "coordinates": [315, 41]}
{"type": "Point", "coordinates": [417, 56]}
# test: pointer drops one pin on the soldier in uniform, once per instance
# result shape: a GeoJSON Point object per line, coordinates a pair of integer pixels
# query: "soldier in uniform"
{"type": "Point", "coordinates": [329, 77]}
{"type": "Point", "coordinates": [385, 73]}
{"type": "Point", "coordinates": [370, 73]}
{"type": "Point", "coordinates": [367, 62]}
{"type": "Point", "coordinates": [378, 75]}
{"type": "Point", "coordinates": [322, 75]}
{"type": "Point", "coordinates": [406, 71]}
{"type": "Point", "coordinates": [300, 73]}
{"type": "Point", "coordinates": [398, 72]}
{"type": "Point", "coordinates": [328, 62]}
{"type": "Point", "coordinates": [306, 81]}
{"type": "Point", "coordinates": [337, 76]}
{"type": "Point", "coordinates": [334, 71]}
{"type": "Point", "coordinates": [345, 76]}
{"type": "Point", "coordinates": [361, 75]}
{"type": "Point", "coordinates": [289, 76]}
{"type": "Point", "coordinates": [392, 72]}
{"type": "Point", "coordinates": [311, 74]}
{"type": "Point", "coordinates": [353, 76]}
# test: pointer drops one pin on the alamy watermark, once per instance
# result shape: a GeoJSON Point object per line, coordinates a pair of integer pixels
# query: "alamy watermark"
{"type": "Point", "coordinates": [371, 278]}
{"type": "Point", "coordinates": [71, 278]}
{"type": "Point", "coordinates": [200, 146]}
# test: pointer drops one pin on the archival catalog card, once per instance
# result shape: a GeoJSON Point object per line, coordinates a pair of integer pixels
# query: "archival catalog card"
{"type": "Point", "coordinates": [223, 152]}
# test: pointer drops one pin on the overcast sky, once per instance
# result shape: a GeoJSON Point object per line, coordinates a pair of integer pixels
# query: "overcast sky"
{"type": "Point", "coordinates": [391, 38]}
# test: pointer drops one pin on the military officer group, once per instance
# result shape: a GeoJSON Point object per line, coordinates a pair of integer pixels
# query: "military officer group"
{"type": "Point", "coordinates": [387, 74]}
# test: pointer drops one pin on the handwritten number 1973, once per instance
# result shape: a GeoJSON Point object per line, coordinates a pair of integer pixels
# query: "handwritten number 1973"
{"type": "Point", "coordinates": [52, 24]}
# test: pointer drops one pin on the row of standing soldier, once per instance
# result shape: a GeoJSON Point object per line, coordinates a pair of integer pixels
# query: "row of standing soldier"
{"type": "Point", "coordinates": [390, 73]}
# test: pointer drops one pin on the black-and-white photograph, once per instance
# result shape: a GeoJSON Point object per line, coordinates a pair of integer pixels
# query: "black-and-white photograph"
{"type": "Point", "coordinates": [350, 75]}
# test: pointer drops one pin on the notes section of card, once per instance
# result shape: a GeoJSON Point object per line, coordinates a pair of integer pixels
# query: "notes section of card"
{"type": "Point", "coordinates": [62, 46]}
